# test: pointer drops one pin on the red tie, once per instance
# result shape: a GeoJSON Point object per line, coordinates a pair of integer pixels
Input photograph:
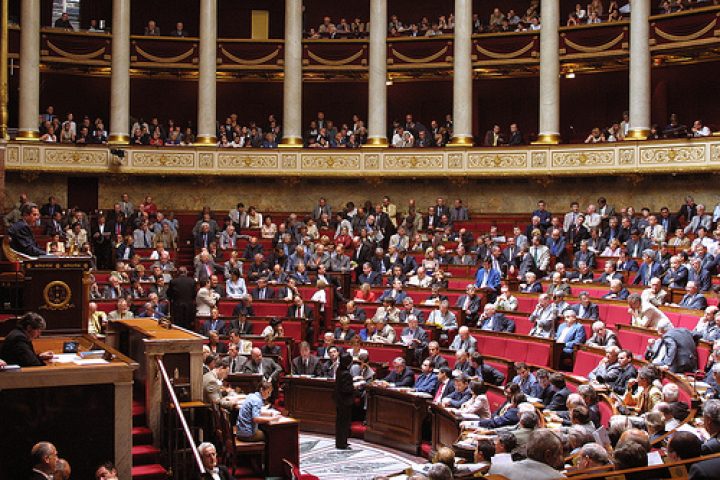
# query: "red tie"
{"type": "Point", "coordinates": [438, 394]}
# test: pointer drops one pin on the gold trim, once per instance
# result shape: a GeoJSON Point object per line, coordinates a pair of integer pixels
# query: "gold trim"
{"type": "Point", "coordinates": [599, 48]}
{"type": "Point", "coordinates": [376, 142]}
{"type": "Point", "coordinates": [547, 139]}
{"type": "Point", "coordinates": [256, 61]}
{"type": "Point", "coordinates": [461, 141]}
{"type": "Point", "coordinates": [62, 302]}
{"type": "Point", "coordinates": [344, 61]}
{"type": "Point", "coordinates": [502, 56]}
{"type": "Point", "coordinates": [27, 135]}
{"type": "Point", "coordinates": [637, 134]}
{"type": "Point", "coordinates": [288, 142]}
{"type": "Point", "coordinates": [206, 141]}
{"type": "Point", "coordinates": [686, 38]}
{"type": "Point", "coordinates": [429, 59]}
{"type": "Point", "coordinates": [175, 59]}
{"type": "Point", "coordinates": [76, 56]}
{"type": "Point", "coordinates": [119, 139]}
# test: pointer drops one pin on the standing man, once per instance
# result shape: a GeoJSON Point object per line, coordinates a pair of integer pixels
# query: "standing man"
{"type": "Point", "coordinates": [181, 294]}
{"type": "Point", "coordinates": [344, 397]}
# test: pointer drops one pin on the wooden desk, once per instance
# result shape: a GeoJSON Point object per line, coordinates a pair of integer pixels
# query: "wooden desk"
{"type": "Point", "coordinates": [281, 442]}
{"type": "Point", "coordinates": [180, 350]}
{"type": "Point", "coordinates": [445, 427]}
{"type": "Point", "coordinates": [395, 418]}
{"type": "Point", "coordinates": [64, 403]}
{"type": "Point", "coordinates": [310, 401]}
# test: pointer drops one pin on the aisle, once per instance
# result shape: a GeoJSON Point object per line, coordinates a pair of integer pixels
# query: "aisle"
{"type": "Point", "coordinates": [364, 462]}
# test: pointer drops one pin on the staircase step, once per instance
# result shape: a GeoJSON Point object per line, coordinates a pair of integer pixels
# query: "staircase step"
{"type": "Point", "coordinates": [145, 454]}
{"type": "Point", "coordinates": [153, 471]}
{"type": "Point", "coordinates": [138, 412]}
{"type": "Point", "coordinates": [142, 436]}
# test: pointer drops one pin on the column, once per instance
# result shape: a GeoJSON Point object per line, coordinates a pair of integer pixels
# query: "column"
{"type": "Point", "coordinates": [4, 75]}
{"type": "Point", "coordinates": [207, 94]}
{"type": "Point", "coordinates": [29, 70]}
{"type": "Point", "coordinates": [120, 74]}
{"type": "Point", "coordinates": [292, 81]}
{"type": "Point", "coordinates": [639, 71]}
{"type": "Point", "coordinates": [462, 75]}
{"type": "Point", "coordinates": [377, 76]}
{"type": "Point", "coordinates": [549, 73]}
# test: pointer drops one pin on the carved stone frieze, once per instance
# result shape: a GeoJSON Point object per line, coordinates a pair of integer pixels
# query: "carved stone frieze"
{"type": "Point", "coordinates": [413, 162]}
{"type": "Point", "coordinates": [245, 161]}
{"type": "Point", "coordinates": [330, 162]}
{"type": "Point", "coordinates": [594, 158]}
{"type": "Point", "coordinates": [497, 160]}
{"type": "Point", "coordinates": [78, 157]}
{"type": "Point", "coordinates": [163, 159]}
{"type": "Point", "coordinates": [671, 155]}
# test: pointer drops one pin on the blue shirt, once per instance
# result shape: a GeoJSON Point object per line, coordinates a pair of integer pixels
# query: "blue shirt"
{"type": "Point", "coordinates": [427, 383]}
{"type": "Point", "coordinates": [250, 409]}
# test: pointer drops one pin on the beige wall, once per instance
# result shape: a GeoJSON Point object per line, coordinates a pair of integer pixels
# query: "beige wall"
{"type": "Point", "coordinates": [301, 195]}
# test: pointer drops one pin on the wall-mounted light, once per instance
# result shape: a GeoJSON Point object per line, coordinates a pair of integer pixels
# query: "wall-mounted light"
{"type": "Point", "coordinates": [570, 75]}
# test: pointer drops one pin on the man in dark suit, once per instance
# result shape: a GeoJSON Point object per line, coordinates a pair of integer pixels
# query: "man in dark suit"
{"type": "Point", "coordinates": [585, 308]}
{"type": "Point", "coordinates": [361, 254]}
{"type": "Point", "coordinates": [265, 366]}
{"type": "Point", "coordinates": [669, 222]}
{"type": "Point", "coordinates": [470, 304]}
{"type": "Point", "coordinates": [688, 210]}
{"type": "Point", "coordinates": [44, 458]}
{"type": "Point", "coordinates": [49, 209]}
{"type": "Point", "coordinates": [215, 324]}
{"type": "Point", "coordinates": [299, 311]}
{"type": "Point", "coordinates": [344, 397]}
{"type": "Point", "coordinates": [102, 238]}
{"type": "Point", "coordinates": [692, 299]}
{"type": "Point", "coordinates": [705, 470]}
{"type": "Point", "coordinates": [496, 322]}
{"type": "Point", "coordinates": [262, 291]}
{"type": "Point", "coordinates": [436, 360]}
{"type": "Point", "coordinates": [676, 349]}
{"type": "Point", "coordinates": [510, 252]}
{"type": "Point", "coordinates": [460, 395]}
{"type": "Point", "coordinates": [181, 293]}
{"type": "Point", "coordinates": [208, 455]}
{"type": "Point", "coordinates": [380, 263]}
{"type": "Point", "coordinates": [22, 239]}
{"type": "Point", "coordinates": [17, 349]}
{"type": "Point", "coordinates": [711, 421]}
{"type": "Point", "coordinates": [560, 394]}
{"type": "Point", "coordinates": [305, 363]}
{"type": "Point", "coordinates": [355, 313]}
{"type": "Point", "coordinates": [369, 276]}
{"type": "Point", "coordinates": [400, 374]}
{"type": "Point", "coordinates": [636, 245]}
{"type": "Point", "coordinates": [516, 137]}
{"type": "Point", "coordinates": [54, 226]}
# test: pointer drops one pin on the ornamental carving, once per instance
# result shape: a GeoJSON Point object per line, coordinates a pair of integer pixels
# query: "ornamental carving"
{"type": "Point", "coordinates": [12, 156]}
{"type": "Point", "coordinates": [31, 155]}
{"type": "Point", "coordinates": [163, 159]}
{"type": "Point", "coordinates": [715, 153]}
{"type": "Point", "coordinates": [455, 160]}
{"type": "Point", "coordinates": [493, 160]}
{"type": "Point", "coordinates": [372, 162]}
{"type": "Point", "coordinates": [206, 160]}
{"type": "Point", "coordinates": [672, 155]}
{"type": "Point", "coordinates": [331, 162]}
{"type": "Point", "coordinates": [538, 160]}
{"type": "Point", "coordinates": [289, 161]}
{"type": "Point", "coordinates": [428, 162]}
{"type": "Point", "coordinates": [583, 159]}
{"type": "Point", "coordinates": [627, 156]}
{"type": "Point", "coordinates": [234, 160]}
{"type": "Point", "coordinates": [64, 156]}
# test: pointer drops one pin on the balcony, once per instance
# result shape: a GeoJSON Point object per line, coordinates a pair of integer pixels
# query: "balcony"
{"type": "Point", "coordinates": [623, 158]}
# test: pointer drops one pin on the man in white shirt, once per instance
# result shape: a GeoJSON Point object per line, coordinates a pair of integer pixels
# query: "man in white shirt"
{"type": "Point", "coordinates": [700, 130]}
{"type": "Point", "coordinates": [571, 216]}
{"type": "Point", "coordinates": [592, 218]}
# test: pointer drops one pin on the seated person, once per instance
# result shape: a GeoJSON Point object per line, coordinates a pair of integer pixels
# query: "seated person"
{"type": "Point", "coordinates": [400, 375]}
{"type": "Point", "coordinates": [343, 332]}
{"type": "Point", "coordinates": [384, 333]}
{"type": "Point", "coordinates": [17, 349]}
{"type": "Point", "coordinates": [427, 381]}
{"type": "Point", "coordinates": [251, 414]}
{"type": "Point", "coordinates": [460, 394]}
{"type": "Point", "coordinates": [496, 322]}
{"type": "Point", "coordinates": [305, 363]}
{"type": "Point", "coordinates": [464, 341]}
{"type": "Point", "coordinates": [570, 333]}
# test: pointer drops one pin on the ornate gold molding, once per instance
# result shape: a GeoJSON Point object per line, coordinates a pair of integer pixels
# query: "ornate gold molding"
{"type": "Point", "coordinates": [620, 158]}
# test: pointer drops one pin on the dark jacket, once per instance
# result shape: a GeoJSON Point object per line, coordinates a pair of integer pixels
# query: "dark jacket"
{"type": "Point", "coordinates": [23, 240]}
{"type": "Point", "coordinates": [17, 349]}
{"type": "Point", "coordinates": [405, 379]}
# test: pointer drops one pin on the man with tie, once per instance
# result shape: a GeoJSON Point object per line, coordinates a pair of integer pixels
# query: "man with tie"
{"type": "Point", "coordinates": [204, 236]}
{"type": "Point", "coordinates": [102, 236]}
{"type": "Point", "coordinates": [113, 291]}
{"type": "Point", "coordinates": [235, 361]}
{"type": "Point", "coordinates": [427, 381]}
{"type": "Point", "coordinates": [22, 238]}
{"type": "Point", "coordinates": [470, 304]}
{"type": "Point", "coordinates": [540, 255]}
{"type": "Point", "coordinates": [262, 291]}
{"type": "Point", "coordinates": [305, 363]}
{"type": "Point", "coordinates": [571, 217]}
{"type": "Point", "coordinates": [320, 208]}
{"type": "Point", "coordinates": [445, 384]}
{"type": "Point", "coordinates": [264, 366]}
{"type": "Point", "coordinates": [648, 270]}
{"type": "Point", "coordinates": [488, 279]}
{"type": "Point", "coordinates": [464, 341]}
{"type": "Point", "coordinates": [692, 299]}
{"type": "Point", "coordinates": [493, 321]}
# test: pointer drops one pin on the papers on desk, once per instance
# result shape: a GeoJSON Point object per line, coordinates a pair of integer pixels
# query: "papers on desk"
{"type": "Point", "coordinates": [421, 394]}
{"type": "Point", "coordinates": [407, 340]}
{"type": "Point", "coordinates": [654, 458]}
{"type": "Point", "coordinates": [90, 361]}
{"type": "Point", "coordinates": [67, 358]}
{"type": "Point", "coordinates": [283, 420]}
{"type": "Point", "coordinates": [10, 368]}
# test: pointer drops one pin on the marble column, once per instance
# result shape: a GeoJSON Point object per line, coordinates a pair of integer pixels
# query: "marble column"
{"type": "Point", "coordinates": [120, 74]}
{"type": "Point", "coordinates": [292, 82]}
{"type": "Point", "coordinates": [29, 70]}
{"type": "Point", "coordinates": [377, 76]}
{"type": "Point", "coordinates": [207, 90]}
{"type": "Point", "coordinates": [640, 77]}
{"type": "Point", "coordinates": [462, 75]}
{"type": "Point", "coordinates": [549, 73]}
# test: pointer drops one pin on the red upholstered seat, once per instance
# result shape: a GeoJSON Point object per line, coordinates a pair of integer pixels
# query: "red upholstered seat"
{"type": "Point", "coordinates": [495, 399]}
{"type": "Point", "coordinates": [605, 413]}
{"type": "Point", "coordinates": [585, 362]}
{"type": "Point", "coordinates": [515, 349]}
{"type": "Point", "coordinates": [494, 346]}
{"type": "Point", "coordinates": [522, 324]}
{"type": "Point", "coordinates": [526, 304]}
{"type": "Point", "coordinates": [688, 320]}
{"type": "Point", "coordinates": [636, 342]}
{"type": "Point", "coordinates": [379, 354]}
{"type": "Point", "coordinates": [501, 367]}
{"type": "Point", "coordinates": [270, 309]}
{"type": "Point", "coordinates": [538, 354]}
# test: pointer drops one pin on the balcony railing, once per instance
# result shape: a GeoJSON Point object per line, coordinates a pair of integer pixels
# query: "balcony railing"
{"type": "Point", "coordinates": [622, 158]}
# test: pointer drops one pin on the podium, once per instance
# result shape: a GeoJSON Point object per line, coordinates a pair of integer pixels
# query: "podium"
{"type": "Point", "coordinates": [58, 288]}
